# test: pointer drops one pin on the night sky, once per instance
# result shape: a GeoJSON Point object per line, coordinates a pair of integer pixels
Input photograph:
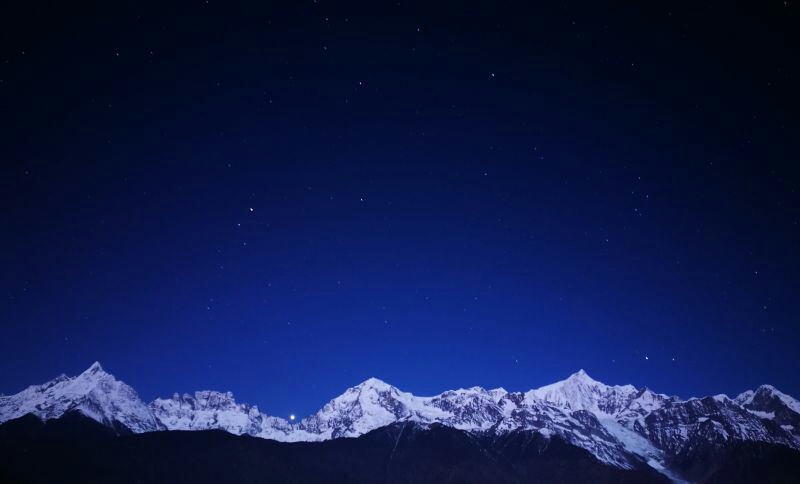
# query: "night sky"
{"type": "Point", "coordinates": [284, 199]}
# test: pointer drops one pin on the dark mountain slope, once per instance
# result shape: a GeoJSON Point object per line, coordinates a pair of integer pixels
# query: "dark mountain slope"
{"type": "Point", "coordinates": [739, 462]}
{"type": "Point", "coordinates": [77, 449]}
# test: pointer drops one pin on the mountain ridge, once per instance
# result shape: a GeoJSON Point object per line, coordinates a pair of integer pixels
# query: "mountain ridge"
{"type": "Point", "coordinates": [620, 425]}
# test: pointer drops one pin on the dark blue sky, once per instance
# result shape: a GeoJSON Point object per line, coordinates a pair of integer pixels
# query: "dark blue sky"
{"type": "Point", "coordinates": [282, 200]}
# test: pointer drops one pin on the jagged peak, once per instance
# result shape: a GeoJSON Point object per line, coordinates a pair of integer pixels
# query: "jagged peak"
{"type": "Point", "coordinates": [95, 369]}
{"type": "Point", "coordinates": [55, 381]}
{"type": "Point", "coordinates": [787, 400]}
{"type": "Point", "coordinates": [646, 392]}
{"type": "Point", "coordinates": [213, 393]}
{"type": "Point", "coordinates": [202, 396]}
{"type": "Point", "coordinates": [745, 397]}
{"type": "Point", "coordinates": [493, 393]}
{"type": "Point", "coordinates": [94, 393]}
{"type": "Point", "coordinates": [365, 388]}
{"type": "Point", "coordinates": [375, 383]}
{"type": "Point", "coordinates": [582, 376]}
{"type": "Point", "coordinates": [497, 394]}
{"type": "Point", "coordinates": [579, 391]}
{"type": "Point", "coordinates": [475, 389]}
{"type": "Point", "coordinates": [721, 397]}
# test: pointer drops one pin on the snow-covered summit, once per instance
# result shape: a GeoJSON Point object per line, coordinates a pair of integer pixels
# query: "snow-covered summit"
{"type": "Point", "coordinates": [769, 403]}
{"type": "Point", "coordinates": [94, 369]}
{"type": "Point", "coordinates": [375, 383]}
{"type": "Point", "coordinates": [371, 404]}
{"type": "Point", "coordinates": [94, 393]}
{"type": "Point", "coordinates": [581, 392]}
{"type": "Point", "coordinates": [767, 392]}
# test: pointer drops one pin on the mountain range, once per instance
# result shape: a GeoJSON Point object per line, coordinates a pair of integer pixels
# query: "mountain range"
{"type": "Point", "coordinates": [620, 427]}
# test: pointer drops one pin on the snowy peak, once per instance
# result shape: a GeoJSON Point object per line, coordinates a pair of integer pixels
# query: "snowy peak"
{"type": "Point", "coordinates": [769, 403]}
{"type": "Point", "coordinates": [770, 391]}
{"type": "Point", "coordinates": [94, 393]}
{"type": "Point", "coordinates": [581, 392]}
{"type": "Point", "coordinates": [580, 380]}
{"type": "Point", "coordinates": [203, 400]}
{"type": "Point", "coordinates": [375, 383]}
{"type": "Point", "coordinates": [371, 404]}
{"type": "Point", "coordinates": [209, 399]}
{"type": "Point", "coordinates": [744, 397]}
{"type": "Point", "coordinates": [765, 394]}
{"type": "Point", "coordinates": [645, 401]}
{"type": "Point", "coordinates": [372, 395]}
{"type": "Point", "coordinates": [96, 369]}
{"type": "Point", "coordinates": [582, 376]}
{"type": "Point", "coordinates": [207, 410]}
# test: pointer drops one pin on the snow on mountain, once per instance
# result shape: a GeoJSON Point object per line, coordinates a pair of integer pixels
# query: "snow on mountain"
{"type": "Point", "coordinates": [206, 410]}
{"type": "Point", "coordinates": [94, 393]}
{"type": "Point", "coordinates": [765, 393]}
{"type": "Point", "coordinates": [617, 409]}
{"type": "Point", "coordinates": [768, 403]}
{"type": "Point", "coordinates": [685, 425]}
{"type": "Point", "coordinates": [581, 392]}
{"type": "Point", "coordinates": [620, 425]}
{"type": "Point", "coordinates": [364, 407]}
{"type": "Point", "coordinates": [374, 404]}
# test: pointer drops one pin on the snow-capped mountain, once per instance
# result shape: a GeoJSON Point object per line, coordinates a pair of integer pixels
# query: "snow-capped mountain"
{"type": "Point", "coordinates": [681, 426]}
{"type": "Point", "coordinates": [94, 393]}
{"type": "Point", "coordinates": [581, 392]}
{"type": "Point", "coordinates": [770, 404]}
{"type": "Point", "coordinates": [374, 403]}
{"type": "Point", "coordinates": [620, 425]}
{"type": "Point", "coordinates": [367, 406]}
{"type": "Point", "coordinates": [207, 410]}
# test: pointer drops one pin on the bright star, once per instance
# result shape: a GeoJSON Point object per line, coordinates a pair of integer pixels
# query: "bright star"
{"type": "Point", "coordinates": [291, 417]}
